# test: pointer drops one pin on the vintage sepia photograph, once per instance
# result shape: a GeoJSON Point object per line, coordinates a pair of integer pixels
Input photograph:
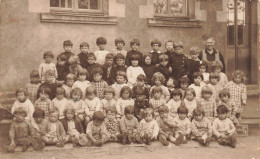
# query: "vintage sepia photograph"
{"type": "Point", "coordinates": [129, 79]}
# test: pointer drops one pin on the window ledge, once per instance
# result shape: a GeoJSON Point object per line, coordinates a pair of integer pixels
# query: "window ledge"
{"type": "Point", "coordinates": [177, 22]}
{"type": "Point", "coordinates": [78, 18]}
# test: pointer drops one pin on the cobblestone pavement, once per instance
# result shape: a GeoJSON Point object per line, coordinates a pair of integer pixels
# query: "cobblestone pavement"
{"type": "Point", "coordinates": [247, 148]}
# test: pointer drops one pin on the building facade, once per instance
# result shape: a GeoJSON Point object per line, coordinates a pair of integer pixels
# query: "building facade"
{"type": "Point", "coordinates": [31, 27]}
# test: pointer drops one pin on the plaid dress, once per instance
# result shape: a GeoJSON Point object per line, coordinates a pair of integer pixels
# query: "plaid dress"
{"type": "Point", "coordinates": [155, 104]}
{"type": "Point", "coordinates": [32, 89]}
{"type": "Point", "coordinates": [44, 105]}
{"type": "Point", "coordinates": [100, 87]}
{"type": "Point", "coordinates": [209, 106]}
{"type": "Point", "coordinates": [237, 94]}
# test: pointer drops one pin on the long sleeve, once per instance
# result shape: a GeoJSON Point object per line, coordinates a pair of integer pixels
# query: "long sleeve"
{"type": "Point", "coordinates": [244, 95]}
{"type": "Point", "coordinates": [195, 130]}
{"type": "Point", "coordinates": [232, 127]}
{"type": "Point", "coordinates": [215, 127]}
{"type": "Point", "coordinates": [122, 124]}
{"type": "Point", "coordinates": [129, 74]}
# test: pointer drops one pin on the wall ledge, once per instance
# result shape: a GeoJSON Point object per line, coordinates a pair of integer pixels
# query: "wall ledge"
{"type": "Point", "coordinates": [78, 18]}
{"type": "Point", "coordinates": [176, 22]}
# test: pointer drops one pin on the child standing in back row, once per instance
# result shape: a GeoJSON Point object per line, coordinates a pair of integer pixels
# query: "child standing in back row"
{"type": "Point", "coordinates": [120, 43]}
{"type": "Point", "coordinates": [83, 56]}
{"type": "Point", "coordinates": [155, 44]}
{"type": "Point", "coordinates": [134, 44]}
{"type": "Point", "coordinates": [47, 65]}
{"type": "Point", "coordinates": [101, 53]}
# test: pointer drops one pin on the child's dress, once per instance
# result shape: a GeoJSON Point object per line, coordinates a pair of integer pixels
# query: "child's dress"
{"type": "Point", "coordinates": [215, 91]}
{"type": "Point", "coordinates": [101, 56]}
{"type": "Point", "coordinates": [149, 128]}
{"type": "Point", "coordinates": [67, 91]}
{"type": "Point", "coordinates": [164, 128]}
{"type": "Point", "coordinates": [100, 87]}
{"type": "Point", "coordinates": [129, 126]}
{"type": "Point", "coordinates": [32, 89]}
{"type": "Point", "coordinates": [78, 106]}
{"type": "Point", "coordinates": [237, 94]}
{"type": "Point", "coordinates": [191, 105]}
{"type": "Point", "coordinates": [106, 104]}
{"type": "Point", "coordinates": [61, 105]}
{"type": "Point", "coordinates": [121, 104]}
{"type": "Point", "coordinates": [44, 105]}
{"type": "Point", "coordinates": [44, 67]}
{"type": "Point", "coordinates": [83, 86]}
{"type": "Point", "coordinates": [210, 108]}
{"type": "Point", "coordinates": [132, 73]}
{"type": "Point", "coordinates": [117, 87]}
{"type": "Point", "coordinates": [27, 106]}
{"type": "Point", "coordinates": [173, 106]}
{"type": "Point", "coordinates": [182, 126]}
{"type": "Point", "coordinates": [92, 106]}
{"type": "Point", "coordinates": [201, 128]}
{"type": "Point", "coordinates": [205, 77]}
{"type": "Point", "coordinates": [155, 104]}
{"type": "Point", "coordinates": [197, 89]}
{"type": "Point", "coordinates": [112, 129]}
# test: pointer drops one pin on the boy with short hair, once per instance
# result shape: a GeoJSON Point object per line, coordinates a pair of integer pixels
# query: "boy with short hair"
{"type": "Point", "coordinates": [67, 46]}
{"type": "Point", "coordinates": [101, 53]}
{"type": "Point", "coordinates": [194, 61]}
{"type": "Point", "coordinates": [62, 69]}
{"type": "Point", "coordinates": [134, 44]}
{"type": "Point", "coordinates": [119, 66]}
{"type": "Point", "coordinates": [155, 44]}
{"type": "Point", "coordinates": [98, 82]}
{"type": "Point", "coordinates": [91, 63]}
{"type": "Point", "coordinates": [83, 56]}
{"type": "Point", "coordinates": [107, 68]}
{"type": "Point", "coordinates": [120, 43]}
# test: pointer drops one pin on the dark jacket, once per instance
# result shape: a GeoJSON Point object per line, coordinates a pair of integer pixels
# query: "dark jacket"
{"type": "Point", "coordinates": [62, 72]}
{"type": "Point", "coordinates": [68, 55]}
{"type": "Point", "coordinates": [128, 57]}
{"type": "Point", "coordinates": [140, 105]}
{"type": "Point", "coordinates": [52, 86]}
{"type": "Point", "coordinates": [107, 77]}
{"type": "Point", "coordinates": [155, 57]}
{"type": "Point", "coordinates": [194, 67]}
{"type": "Point", "coordinates": [180, 65]}
{"type": "Point", "coordinates": [164, 70]}
{"type": "Point", "coordinates": [78, 125]}
{"type": "Point", "coordinates": [114, 70]}
{"type": "Point", "coordinates": [83, 58]}
{"type": "Point", "coordinates": [149, 70]}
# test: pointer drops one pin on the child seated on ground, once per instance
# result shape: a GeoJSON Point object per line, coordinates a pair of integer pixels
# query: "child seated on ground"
{"type": "Point", "coordinates": [82, 82]}
{"type": "Point", "coordinates": [47, 65]}
{"type": "Point", "coordinates": [98, 82]}
{"type": "Point", "coordinates": [69, 81]}
{"type": "Point", "coordinates": [39, 123]}
{"type": "Point", "coordinates": [74, 65]}
{"type": "Point", "coordinates": [96, 130]}
{"type": "Point", "coordinates": [73, 128]}
{"type": "Point", "coordinates": [190, 101]}
{"type": "Point", "coordinates": [77, 103]}
{"type": "Point", "coordinates": [60, 102]}
{"type": "Point", "coordinates": [124, 100]}
{"type": "Point", "coordinates": [175, 102]}
{"type": "Point", "coordinates": [217, 68]}
{"type": "Point", "coordinates": [140, 104]}
{"type": "Point", "coordinates": [119, 66]}
{"type": "Point", "coordinates": [156, 101]}
{"type": "Point", "coordinates": [55, 133]}
{"type": "Point", "coordinates": [224, 96]}
{"type": "Point", "coordinates": [101, 53]}
{"type": "Point", "coordinates": [83, 55]}
{"type": "Point", "coordinates": [159, 79]}
{"type": "Point", "coordinates": [134, 70]}
{"type": "Point", "coordinates": [23, 102]}
{"type": "Point", "coordinates": [166, 125]}
{"type": "Point", "coordinates": [164, 67]}
{"type": "Point", "coordinates": [223, 128]}
{"type": "Point", "coordinates": [33, 87]}
{"type": "Point", "coordinates": [44, 101]}
{"type": "Point", "coordinates": [19, 132]}
{"type": "Point", "coordinates": [207, 103]}
{"type": "Point", "coordinates": [49, 78]}
{"type": "Point", "coordinates": [237, 90]}
{"type": "Point", "coordinates": [155, 44]}
{"type": "Point", "coordinates": [108, 100]}
{"type": "Point", "coordinates": [183, 130]}
{"type": "Point", "coordinates": [112, 125]}
{"type": "Point", "coordinates": [148, 68]}
{"type": "Point", "coordinates": [203, 69]}
{"type": "Point", "coordinates": [92, 102]}
{"type": "Point", "coordinates": [62, 69]}
{"type": "Point", "coordinates": [107, 68]}
{"type": "Point", "coordinates": [129, 126]}
{"type": "Point", "coordinates": [148, 128]}
{"type": "Point", "coordinates": [120, 43]}
{"type": "Point", "coordinates": [121, 80]}
{"type": "Point", "coordinates": [198, 84]}
{"type": "Point", "coordinates": [201, 129]}
{"type": "Point", "coordinates": [134, 44]}
{"type": "Point", "coordinates": [140, 85]}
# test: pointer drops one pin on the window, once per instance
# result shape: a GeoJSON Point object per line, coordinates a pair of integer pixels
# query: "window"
{"type": "Point", "coordinates": [76, 4]}
{"type": "Point", "coordinates": [240, 22]}
{"type": "Point", "coordinates": [170, 7]}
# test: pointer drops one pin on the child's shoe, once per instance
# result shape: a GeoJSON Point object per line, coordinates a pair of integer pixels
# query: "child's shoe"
{"type": "Point", "coordinates": [60, 143]}
{"type": "Point", "coordinates": [223, 142]}
{"type": "Point", "coordinates": [139, 139]}
{"type": "Point", "coordinates": [145, 137]}
{"type": "Point", "coordinates": [179, 140]}
{"type": "Point", "coordinates": [233, 141]}
{"type": "Point", "coordinates": [128, 141]}
{"type": "Point", "coordinates": [208, 139]}
{"type": "Point", "coordinates": [163, 141]}
{"type": "Point", "coordinates": [124, 136]}
{"type": "Point", "coordinates": [149, 139]}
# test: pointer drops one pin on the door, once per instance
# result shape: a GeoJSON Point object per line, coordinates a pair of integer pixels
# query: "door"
{"type": "Point", "coordinates": [238, 34]}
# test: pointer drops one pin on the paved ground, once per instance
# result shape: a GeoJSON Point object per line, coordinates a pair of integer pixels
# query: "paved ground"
{"type": "Point", "coordinates": [247, 148]}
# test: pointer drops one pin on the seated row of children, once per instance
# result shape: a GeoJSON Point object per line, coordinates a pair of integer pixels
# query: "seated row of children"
{"type": "Point", "coordinates": [106, 128]}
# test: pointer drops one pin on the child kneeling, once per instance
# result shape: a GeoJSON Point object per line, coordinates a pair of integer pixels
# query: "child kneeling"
{"type": "Point", "coordinates": [223, 128]}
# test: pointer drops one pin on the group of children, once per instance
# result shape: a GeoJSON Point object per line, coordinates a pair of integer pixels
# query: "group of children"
{"type": "Point", "coordinates": [92, 98]}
